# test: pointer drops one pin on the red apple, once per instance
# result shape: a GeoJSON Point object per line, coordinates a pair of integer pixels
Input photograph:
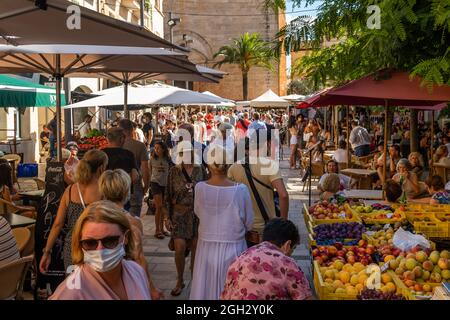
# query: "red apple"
{"type": "Point", "coordinates": [324, 257]}
{"type": "Point", "coordinates": [318, 259]}
{"type": "Point", "coordinates": [338, 245]}
{"type": "Point", "coordinates": [370, 249]}
{"type": "Point", "coordinates": [340, 253]}
{"type": "Point", "coordinates": [332, 250]}
{"type": "Point", "coordinates": [365, 262]}
{"type": "Point", "coordinates": [361, 251]}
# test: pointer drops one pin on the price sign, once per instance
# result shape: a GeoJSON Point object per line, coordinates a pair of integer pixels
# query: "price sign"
{"type": "Point", "coordinates": [374, 280]}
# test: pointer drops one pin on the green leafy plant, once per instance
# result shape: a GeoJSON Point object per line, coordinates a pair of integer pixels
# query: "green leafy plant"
{"type": "Point", "coordinates": [247, 51]}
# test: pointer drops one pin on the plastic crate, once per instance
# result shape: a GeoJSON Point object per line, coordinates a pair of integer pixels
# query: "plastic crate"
{"type": "Point", "coordinates": [435, 229]}
{"type": "Point", "coordinates": [315, 222]}
{"type": "Point", "coordinates": [405, 291]}
{"type": "Point", "coordinates": [419, 216]}
{"type": "Point", "coordinates": [368, 218]}
{"type": "Point", "coordinates": [325, 292]}
{"type": "Point", "coordinates": [27, 170]}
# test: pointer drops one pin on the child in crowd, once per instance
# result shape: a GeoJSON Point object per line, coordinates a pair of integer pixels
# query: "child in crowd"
{"type": "Point", "coordinates": [437, 190]}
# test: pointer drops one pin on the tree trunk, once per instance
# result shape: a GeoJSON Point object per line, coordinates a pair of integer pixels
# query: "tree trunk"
{"type": "Point", "coordinates": [244, 85]}
{"type": "Point", "coordinates": [413, 124]}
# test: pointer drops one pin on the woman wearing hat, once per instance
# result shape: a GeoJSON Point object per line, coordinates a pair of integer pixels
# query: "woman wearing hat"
{"type": "Point", "coordinates": [180, 219]}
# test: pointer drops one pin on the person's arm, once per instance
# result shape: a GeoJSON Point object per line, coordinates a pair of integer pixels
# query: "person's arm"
{"type": "Point", "coordinates": [139, 257]}
{"type": "Point", "coordinates": [145, 174]}
{"type": "Point", "coordinates": [412, 177]}
{"type": "Point", "coordinates": [6, 194]}
{"type": "Point", "coordinates": [54, 232]}
{"type": "Point", "coordinates": [284, 197]}
{"type": "Point", "coordinates": [150, 135]}
{"type": "Point", "coordinates": [248, 209]}
{"type": "Point", "coordinates": [149, 170]}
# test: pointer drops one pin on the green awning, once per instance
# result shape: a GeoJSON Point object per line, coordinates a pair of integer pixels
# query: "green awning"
{"type": "Point", "coordinates": [17, 93]}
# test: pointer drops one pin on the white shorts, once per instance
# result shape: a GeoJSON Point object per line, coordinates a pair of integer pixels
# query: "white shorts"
{"type": "Point", "coordinates": [293, 140]}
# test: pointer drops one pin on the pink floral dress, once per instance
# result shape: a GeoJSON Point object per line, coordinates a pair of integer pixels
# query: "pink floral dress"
{"type": "Point", "coordinates": [263, 272]}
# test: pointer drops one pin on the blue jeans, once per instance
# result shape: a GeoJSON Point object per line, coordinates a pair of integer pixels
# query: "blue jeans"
{"type": "Point", "coordinates": [52, 140]}
{"type": "Point", "coordinates": [362, 151]}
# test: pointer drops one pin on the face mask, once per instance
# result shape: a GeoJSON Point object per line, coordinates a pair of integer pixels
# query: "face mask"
{"type": "Point", "coordinates": [104, 260]}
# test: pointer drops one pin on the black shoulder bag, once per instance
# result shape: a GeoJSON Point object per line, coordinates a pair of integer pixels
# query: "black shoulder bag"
{"type": "Point", "coordinates": [258, 199]}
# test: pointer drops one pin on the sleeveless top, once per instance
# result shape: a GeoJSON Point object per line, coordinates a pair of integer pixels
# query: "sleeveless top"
{"type": "Point", "coordinates": [73, 211]}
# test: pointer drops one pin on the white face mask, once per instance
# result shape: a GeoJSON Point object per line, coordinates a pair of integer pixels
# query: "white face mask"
{"type": "Point", "coordinates": [104, 260]}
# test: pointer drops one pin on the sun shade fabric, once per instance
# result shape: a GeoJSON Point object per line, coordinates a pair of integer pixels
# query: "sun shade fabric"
{"type": "Point", "coordinates": [269, 99]}
{"type": "Point", "coordinates": [18, 93]}
{"type": "Point", "coordinates": [139, 97]}
{"type": "Point", "coordinates": [394, 89]}
{"type": "Point", "coordinates": [91, 59]}
{"type": "Point", "coordinates": [21, 22]}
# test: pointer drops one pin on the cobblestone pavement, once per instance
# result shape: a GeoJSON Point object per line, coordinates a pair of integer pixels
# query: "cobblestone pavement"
{"type": "Point", "coordinates": [161, 259]}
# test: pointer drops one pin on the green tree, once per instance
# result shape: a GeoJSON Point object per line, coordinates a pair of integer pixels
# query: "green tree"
{"type": "Point", "coordinates": [247, 51]}
{"type": "Point", "coordinates": [414, 36]}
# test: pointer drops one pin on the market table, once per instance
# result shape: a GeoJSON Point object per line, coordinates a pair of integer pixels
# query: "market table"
{"type": "Point", "coordinates": [364, 194]}
{"type": "Point", "coordinates": [17, 221]}
{"type": "Point", "coordinates": [359, 175]}
{"type": "Point", "coordinates": [28, 196]}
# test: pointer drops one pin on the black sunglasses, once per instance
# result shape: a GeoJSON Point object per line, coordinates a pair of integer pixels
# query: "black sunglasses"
{"type": "Point", "coordinates": [107, 242]}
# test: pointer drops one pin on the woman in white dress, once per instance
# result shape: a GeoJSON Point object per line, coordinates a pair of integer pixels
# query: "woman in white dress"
{"type": "Point", "coordinates": [225, 211]}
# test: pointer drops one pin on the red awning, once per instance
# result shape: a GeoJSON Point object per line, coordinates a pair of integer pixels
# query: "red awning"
{"type": "Point", "coordinates": [393, 88]}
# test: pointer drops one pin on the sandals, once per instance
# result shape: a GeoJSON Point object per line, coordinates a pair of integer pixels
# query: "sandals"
{"type": "Point", "coordinates": [166, 233]}
{"type": "Point", "coordinates": [159, 235]}
{"type": "Point", "coordinates": [177, 290]}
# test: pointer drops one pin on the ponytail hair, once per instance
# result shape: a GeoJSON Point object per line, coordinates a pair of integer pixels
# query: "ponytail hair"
{"type": "Point", "coordinates": [89, 166]}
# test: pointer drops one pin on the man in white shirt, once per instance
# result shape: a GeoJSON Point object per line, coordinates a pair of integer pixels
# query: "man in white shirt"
{"type": "Point", "coordinates": [200, 134]}
{"type": "Point", "coordinates": [359, 139]}
{"type": "Point", "coordinates": [341, 155]}
{"type": "Point", "coordinates": [85, 127]}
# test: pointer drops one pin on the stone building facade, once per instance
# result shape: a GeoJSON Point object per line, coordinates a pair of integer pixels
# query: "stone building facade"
{"type": "Point", "coordinates": [209, 24]}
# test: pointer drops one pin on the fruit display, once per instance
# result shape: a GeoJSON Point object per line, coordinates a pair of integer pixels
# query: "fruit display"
{"type": "Point", "coordinates": [327, 234]}
{"type": "Point", "coordinates": [381, 237]}
{"type": "Point", "coordinates": [404, 224]}
{"type": "Point", "coordinates": [96, 142]}
{"type": "Point", "coordinates": [351, 279]}
{"type": "Point", "coordinates": [378, 212]}
{"type": "Point", "coordinates": [442, 216]}
{"type": "Point", "coordinates": [326, 210]}
{"type": "Point", "coordinates": [421, 271]}
{"type": "Point", "coordinates": [326, 255]}
{"type": "Point", "coordinates": [373, 294]}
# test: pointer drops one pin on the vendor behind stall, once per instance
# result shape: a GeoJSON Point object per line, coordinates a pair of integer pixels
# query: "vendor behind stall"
{"type": "Point", "coordinates": [85, 127]}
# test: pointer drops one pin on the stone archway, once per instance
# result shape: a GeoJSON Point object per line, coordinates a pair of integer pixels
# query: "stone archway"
{"type": "Point", "coordinates": [200, 46]}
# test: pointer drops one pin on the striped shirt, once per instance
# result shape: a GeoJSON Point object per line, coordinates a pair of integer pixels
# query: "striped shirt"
{"type": "Point", "coordinates": [8, 246]}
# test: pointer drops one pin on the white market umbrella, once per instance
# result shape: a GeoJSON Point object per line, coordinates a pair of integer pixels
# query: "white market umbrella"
{"type": "Point", "coordinates": [156, 94]}
{"type": "Point", "coordinates": [294, 97]}
{"type": "Point", "coordinates": [269, 99]}
{"type": "Point", "coordinates": [225, 102]}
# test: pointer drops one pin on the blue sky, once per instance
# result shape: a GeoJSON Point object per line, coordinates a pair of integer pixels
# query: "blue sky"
{"type": "Point", "coordinates": [291, 16]}
{"type": "Point", "coordinates": [289, 8]}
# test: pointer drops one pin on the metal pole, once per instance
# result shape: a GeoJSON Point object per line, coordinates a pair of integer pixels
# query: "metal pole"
{"type": "Point", "coordinates": [310, 174]}
{"type": "Point", "coordinates": [171, 29]}
{"type": "Point", "coordinates": [385, 140]}
{"type": "Point", "coordinates": [432, 140]}
{"type": "Point", "coordinates": [126, 112]}
{"type": "Point", "coordinates": [142, 13]}
{"type": "Point", "coordinates": [348, 138]}
{"type": "Point", "coordinates": [58, 109]}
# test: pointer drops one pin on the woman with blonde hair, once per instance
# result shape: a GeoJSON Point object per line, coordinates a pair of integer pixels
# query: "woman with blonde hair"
{"type": "Point", "coordinates": [225, 211]}
{"type": "Point", "coordinates": [441, 156]}
{"type": "Point", "coordinates": [74, 200]}
{"type": "Point", "coordinates": [115, 186]}
{"type": "Point", "coordinates": [330, 186]}
{"type": "Point", "coordinates": [416, 162]}
{"type": "Point", "coordinates": [102, 250]}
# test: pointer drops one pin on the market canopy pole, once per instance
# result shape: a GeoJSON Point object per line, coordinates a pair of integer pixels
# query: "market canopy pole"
{"type": "Point", "coordinates": [58, 77]}
{"type": "Point", "coordinates": [385, 141]}
{"type": "Point", "coordinates": [348, 137]}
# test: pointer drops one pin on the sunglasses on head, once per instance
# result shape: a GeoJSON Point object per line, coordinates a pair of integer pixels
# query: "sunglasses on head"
{"type": "Point", "coordinates": [108, 242]}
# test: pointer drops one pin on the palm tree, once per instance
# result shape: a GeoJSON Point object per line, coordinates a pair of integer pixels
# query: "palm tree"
{"type": "Point", "coordinates": [249, 50]}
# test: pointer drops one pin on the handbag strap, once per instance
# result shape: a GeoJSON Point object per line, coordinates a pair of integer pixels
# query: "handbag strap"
{"type": "Point", "coordinates": [258, 199]}
{"type": "Point", "coordinates": [185, 174]}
